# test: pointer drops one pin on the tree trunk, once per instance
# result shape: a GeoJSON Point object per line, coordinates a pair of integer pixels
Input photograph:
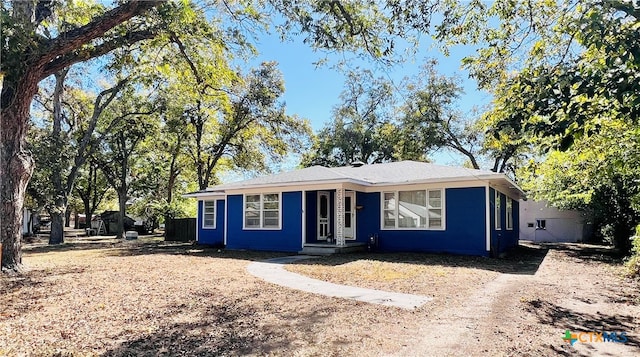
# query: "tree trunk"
{"type": "Point", "coordinates": [87, 213]}
{"type": "Point", "coordinates": [57, 226]}
{"type": "Point", "coordinates": [122, 201]}
{"type": "Point", "coordinates": [60, 206]}
{"type": "Point", "coordinates": [16, 164]}
{"type": "Point", "coordinates": [67, 217]}
{"type": "Point", "coordinates": [57, 214]}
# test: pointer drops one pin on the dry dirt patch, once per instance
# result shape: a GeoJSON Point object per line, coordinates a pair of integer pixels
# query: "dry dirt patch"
{"type": "Point", "coordinates": [150, 298]}
{"type": "Point", "coordinates": [448, 279]}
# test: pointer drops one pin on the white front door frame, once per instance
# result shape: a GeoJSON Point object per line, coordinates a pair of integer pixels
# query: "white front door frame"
{"type": "Point", "coordinates": [350, 215]}
{"type": "Point", "coordinates": [324, 221]}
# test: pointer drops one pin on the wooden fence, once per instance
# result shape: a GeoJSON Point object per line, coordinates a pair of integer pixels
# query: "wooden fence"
{"type": "Point", "coordinates": [180, 230]}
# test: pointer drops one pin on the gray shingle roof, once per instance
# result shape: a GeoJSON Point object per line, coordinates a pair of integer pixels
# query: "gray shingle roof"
{"type": "Point", "coordinates": [386, 173]}
{"type": "Point", "coordinates": [407, 171]}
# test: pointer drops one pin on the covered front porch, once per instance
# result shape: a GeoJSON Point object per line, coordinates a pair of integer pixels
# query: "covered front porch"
{"type": "Point", "coordinates": [330, 221]}
{"type": "Point", "coordinates": [330, 248]}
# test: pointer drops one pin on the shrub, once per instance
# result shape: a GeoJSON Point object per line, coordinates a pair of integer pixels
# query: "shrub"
{"type": "Point", "coordinates": [633, 263]}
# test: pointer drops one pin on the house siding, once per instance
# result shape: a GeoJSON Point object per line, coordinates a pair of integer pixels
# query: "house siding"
{"type": "Point", "coordinates": [503, 239]}
{"type": "Point", "coordinates": [211, 236]}
{"type": "Point", "coordinates": [311, 216]}
{"type": "Point", "coordinates": [465, 224]}
{"type": "Point", "coordinates": [285, 239]}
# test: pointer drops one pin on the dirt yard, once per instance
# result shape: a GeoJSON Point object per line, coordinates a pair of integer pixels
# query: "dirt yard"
{"type": "Point", "coordinates": [150, 298]}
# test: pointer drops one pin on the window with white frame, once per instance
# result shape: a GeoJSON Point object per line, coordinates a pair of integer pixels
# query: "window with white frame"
{"type": "Point", "coordinates": [509, 214]}
{"type": "Point", "coordinates": [209, 214]}
{"type": "Point", "coordinates": [497, 211]}
{"type": "Point", "coordinates": [419, 209]}
{"type": "Point", "coordinates": [262, 211]}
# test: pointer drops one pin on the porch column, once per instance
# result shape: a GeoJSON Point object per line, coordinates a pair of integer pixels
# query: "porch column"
{"type": "Point", "coordinates": [340, 217]}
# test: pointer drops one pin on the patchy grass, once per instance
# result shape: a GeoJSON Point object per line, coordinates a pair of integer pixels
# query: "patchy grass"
{"type": "Point", "coordinates": [102, 297]}
{"type": "Point", "coordinates": [124, 298]}
{"type": "Point", "coordinates": [447, 278]}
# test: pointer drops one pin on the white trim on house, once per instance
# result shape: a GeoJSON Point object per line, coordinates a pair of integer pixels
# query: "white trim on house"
{"type": "Point", "coordinates": [261, 211]}
{"type": "Point", "coordinates": [508, 216]}
{"type": "Point", "coordinates": [197, 218]}
{"type": "Point", "coordinates": [204, 213]}
{"type": "Point", "coordinates": [303, 209]}
{"type": "Point", "coordinates": [329, 228]}
{"type": "Point", "coordinates": [352, 211]}
{"type": "Point", "coordinates": [443, 225]}
{"type": "Point", "coordinates": [226, 216]}
{"type": "Point", "coordinates": [497, 207]}
{"type": "Point", "coordinates": [205, 194]}
{"type": "Point", "coordinates": [366, 189]}
{"type": "Point", "coordinates": [488, 213]}
{"type": "Point", "coordinates": [369, 178]}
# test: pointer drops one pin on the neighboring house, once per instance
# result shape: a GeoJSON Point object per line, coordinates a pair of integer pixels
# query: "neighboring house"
{"type": "Point", "coordinates": [27, 222]}
{"type": "Point", "coordinates": [406, 206]}
{"type": "Point", "coordinates": [540, 222]}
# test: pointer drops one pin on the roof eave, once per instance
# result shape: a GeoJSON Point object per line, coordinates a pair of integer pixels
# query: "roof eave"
{"type": "Point", "coordinates": [199, 194]}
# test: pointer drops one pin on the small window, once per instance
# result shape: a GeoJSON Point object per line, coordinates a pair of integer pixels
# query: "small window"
{"type": "Point", "coordinates": [541, 224]}
{"type": "Point", "coordinates": [389, 210]}
{"type": "Point", "coordinates": [530, 225]}
{"type": "Point", "coordinates": [209, 215]}
{"type": "Point", "coordinates": [262, 211]}
{"type": "Point", "coordinates": [509, 214]}
{"type": "Point", "coordinates": [497, 211]}
{"type": "Point", "coordinates": [435, 209]}
{"type": "Point", "coordinates": [252, 211]}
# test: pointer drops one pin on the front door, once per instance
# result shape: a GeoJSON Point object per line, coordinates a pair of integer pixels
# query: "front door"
{"type": "Point", "coordinates": [323, 215]}
{"type": "Point", "coordinates": [349, 215]}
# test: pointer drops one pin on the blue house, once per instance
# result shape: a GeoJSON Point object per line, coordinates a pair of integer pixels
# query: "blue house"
{"type": "Point", "coordinates": [405, 206]}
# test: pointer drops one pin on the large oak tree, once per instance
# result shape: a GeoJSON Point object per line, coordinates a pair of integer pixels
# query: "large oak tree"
{"type": "Point", "coordinates": [33, 50]}
{"type": "Point", "coordinates": [30, 54]}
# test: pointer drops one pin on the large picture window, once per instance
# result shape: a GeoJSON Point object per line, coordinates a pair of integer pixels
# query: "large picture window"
{"type": "Point", "coordinates": [209, 214]}
{"type": "Point", "coordinates": [419, 209]}
{"type": "Point", "coordinates": [262, 211]}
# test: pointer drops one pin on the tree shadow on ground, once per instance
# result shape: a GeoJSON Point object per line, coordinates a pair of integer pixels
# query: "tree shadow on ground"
{"type": "Point", "coordinates": [20, 292]}
{"type": "Point", "coordinates": [588, 252]}
{"type": "Point", "coordinates": [523, 260]}
{"type": "Point", "coordinates": [226, 328]}
{"type": "Point", "coordinates": [563, 318]}
{"type": "Point", "coordinates": [148, 245]}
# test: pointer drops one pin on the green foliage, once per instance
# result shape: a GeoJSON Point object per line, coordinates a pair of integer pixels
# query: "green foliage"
{"type": "Point", "coordinates": [569, 86]}
{"type": "Point", "coordinates": [633, 263]}
{"type": "Point", "coordinates": [362, 128]}
{"type": "Point", "coordinates": [598, 174]}
{"type": "Point", "coordinates": [373, 125]}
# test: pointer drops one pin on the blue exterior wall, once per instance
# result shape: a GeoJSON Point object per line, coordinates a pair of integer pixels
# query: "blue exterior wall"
{"type": "Point", "coordinates": [465, 225]}
{"type": "Point", "coordinates": [512, 236]}
{"type": "Point", "coordinates": [503, 239]}
{"type": "Point", "coordinates": [210, 236]}
{"type": "Point", "coordinates": [311, 216]}
{"type": "Point", "coordinates": [286, 239]}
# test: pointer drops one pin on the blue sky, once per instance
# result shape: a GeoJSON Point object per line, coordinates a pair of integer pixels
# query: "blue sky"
{"type": "Point", "coordinates": [312, 92]}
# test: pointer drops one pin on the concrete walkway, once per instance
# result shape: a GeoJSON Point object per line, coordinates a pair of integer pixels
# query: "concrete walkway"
{"type": "Point", "coordinates": [272, 270]}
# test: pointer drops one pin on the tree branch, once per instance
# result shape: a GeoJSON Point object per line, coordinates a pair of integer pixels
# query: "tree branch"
{"type": "Point", "coordinates": [73, 39]}
{"type": "Point", "coordinates": [73, 57]}
{"type": "Point", "coordinates": [98, 108]}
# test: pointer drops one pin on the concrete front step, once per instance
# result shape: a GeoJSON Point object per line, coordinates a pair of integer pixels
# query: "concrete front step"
{"type": "Point", "coordinates": [324, 249]}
